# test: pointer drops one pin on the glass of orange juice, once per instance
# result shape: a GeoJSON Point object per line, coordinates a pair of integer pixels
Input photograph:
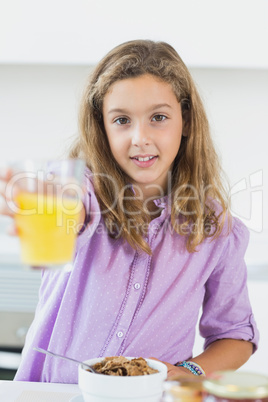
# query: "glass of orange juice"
{"type": "Point", "coordinates": [47, 204]}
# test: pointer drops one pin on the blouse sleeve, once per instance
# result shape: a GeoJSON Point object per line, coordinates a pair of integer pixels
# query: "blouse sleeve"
{"type": "Point", "coordinates": [227, 312]}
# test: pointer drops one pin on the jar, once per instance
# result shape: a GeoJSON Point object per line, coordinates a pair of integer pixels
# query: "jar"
{"type": "Point", "coordinates": [231, 386]}
{"type": "Point", "coordinates": [183, 389]}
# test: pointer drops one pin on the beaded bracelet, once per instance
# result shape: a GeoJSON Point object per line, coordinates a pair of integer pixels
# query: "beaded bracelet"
{"type": "Point", "coordinates": [191, 366]}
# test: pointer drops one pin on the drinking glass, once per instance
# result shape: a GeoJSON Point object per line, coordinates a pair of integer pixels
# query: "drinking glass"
{"type": "Point", "coordinates": [47, 202]}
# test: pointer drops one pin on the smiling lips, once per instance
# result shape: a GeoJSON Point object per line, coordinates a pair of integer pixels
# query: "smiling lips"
{"type": "Point", "coordinates": [144, 160]}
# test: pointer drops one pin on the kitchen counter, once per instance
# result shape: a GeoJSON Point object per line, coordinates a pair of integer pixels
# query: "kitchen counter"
{"type": "Point", "coordinates": [20, 391]}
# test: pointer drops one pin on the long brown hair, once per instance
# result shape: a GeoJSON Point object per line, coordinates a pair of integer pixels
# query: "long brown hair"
{"type": "Point", "coordinates": [196, 175]}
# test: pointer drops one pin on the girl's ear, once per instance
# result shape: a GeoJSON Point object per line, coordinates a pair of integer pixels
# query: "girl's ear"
{"type": "Point", "coordinates": [185, 128]}
{"type": "Point", "coordinates": [185, 119]}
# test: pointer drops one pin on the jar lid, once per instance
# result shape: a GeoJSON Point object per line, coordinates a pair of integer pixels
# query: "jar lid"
{"type": "Point", "coordinates": [237, 385]}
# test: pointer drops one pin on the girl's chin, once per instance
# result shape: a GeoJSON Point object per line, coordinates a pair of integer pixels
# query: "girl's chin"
{"type": "Point", "coordinates": [144, 182]}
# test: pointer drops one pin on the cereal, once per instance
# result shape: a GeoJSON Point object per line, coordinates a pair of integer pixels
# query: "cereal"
{"type": "Point", "coordinates": [121, 366]}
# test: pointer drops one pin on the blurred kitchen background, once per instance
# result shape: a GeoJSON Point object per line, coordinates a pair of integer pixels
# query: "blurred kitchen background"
{"type": "Point", "coordinates": [46, 52]}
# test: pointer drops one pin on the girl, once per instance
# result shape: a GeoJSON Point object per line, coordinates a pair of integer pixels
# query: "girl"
{"type": "Point", "coordinates": [157, 242]}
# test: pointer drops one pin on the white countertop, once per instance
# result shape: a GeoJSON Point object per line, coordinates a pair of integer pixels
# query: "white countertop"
{"type": "Point", "coordinates": [20, 391]}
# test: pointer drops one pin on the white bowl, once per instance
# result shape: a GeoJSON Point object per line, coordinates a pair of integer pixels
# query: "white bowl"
{"type": "Point", "coordinates": [105, 388]}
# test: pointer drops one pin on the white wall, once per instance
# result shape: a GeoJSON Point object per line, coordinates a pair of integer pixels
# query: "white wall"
{"type": "Point", "coordinates": [38, 109]}
{"type": "Point", "coordinates": [221, 33]}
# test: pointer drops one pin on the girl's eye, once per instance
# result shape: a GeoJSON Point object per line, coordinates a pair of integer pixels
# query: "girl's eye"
{"type": "Point", "coordinates": [159, 117]}
{"type": "Point", "coordinates": [121, 120]}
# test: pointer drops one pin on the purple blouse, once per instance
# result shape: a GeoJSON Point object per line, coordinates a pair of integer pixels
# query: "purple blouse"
{"type": "Point", "coordinates": [117, 301]}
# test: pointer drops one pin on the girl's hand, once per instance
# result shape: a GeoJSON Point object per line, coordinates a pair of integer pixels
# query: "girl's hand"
{"type": "Point", "coordinates": [5, 176]}
{"type": "Point", "coordinates": [174, 371]}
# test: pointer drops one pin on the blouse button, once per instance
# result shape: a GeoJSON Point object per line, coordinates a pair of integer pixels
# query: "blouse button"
{"type": "Point", "coordinates": [120, 334]}
{"type": "Point", "coordinates": [137, 286]}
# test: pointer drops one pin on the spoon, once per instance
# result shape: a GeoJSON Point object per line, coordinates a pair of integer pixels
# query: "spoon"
{"type": "Point", "coordinates": [84, 365]}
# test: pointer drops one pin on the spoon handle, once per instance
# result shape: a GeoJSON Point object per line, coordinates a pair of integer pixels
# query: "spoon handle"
{"type": "Point", "coordinates": [47, 352]}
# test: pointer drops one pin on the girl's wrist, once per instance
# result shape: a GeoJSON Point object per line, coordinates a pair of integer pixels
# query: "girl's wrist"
{"type": "Point", "coordinates": [193, 367]}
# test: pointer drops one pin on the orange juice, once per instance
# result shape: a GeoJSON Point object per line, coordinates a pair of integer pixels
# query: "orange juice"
{"type": "Point", "coordinates": [47, 227]}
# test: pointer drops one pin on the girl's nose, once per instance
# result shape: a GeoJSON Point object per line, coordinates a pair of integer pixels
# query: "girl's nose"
{"type": "Point", "coordinates": [141, 136]}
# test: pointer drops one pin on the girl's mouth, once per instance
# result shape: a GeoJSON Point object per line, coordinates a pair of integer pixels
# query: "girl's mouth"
{"type": "Point", "coordinates": [145, 161]}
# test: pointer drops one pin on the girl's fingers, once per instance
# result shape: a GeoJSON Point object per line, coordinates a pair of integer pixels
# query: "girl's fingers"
{"type": "Point", "coordinates": [5, 174]}
{"type": "Point", "coordinates": [5, 210]}
{"type": "Point", "coordinates": [7, 193]}
{"type": "Point", "coordinates": [12, 230]}
{"type": "Point", "coordinates": [2, 188]}
{"type": "Point", "coordinates": [3, 185]}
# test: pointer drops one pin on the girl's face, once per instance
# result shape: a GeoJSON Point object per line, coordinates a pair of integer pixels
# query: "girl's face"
{"type": "Point", "coordinates": [143, 122]}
